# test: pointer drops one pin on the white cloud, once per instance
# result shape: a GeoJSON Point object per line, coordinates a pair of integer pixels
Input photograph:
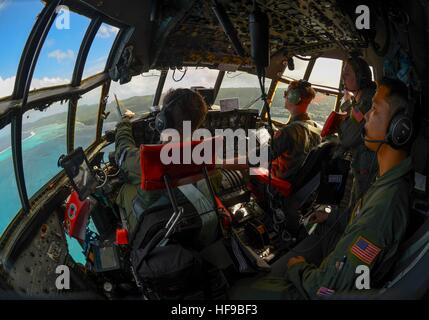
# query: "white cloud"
{"type": "Point", "coordinates": [60, 55]}
{"type": "Point", "coordinates": [138, 86]}
{"type": "Point", "coordinates": [47, 82]}
{"type": "Point", "coordinates": [106, 31]}
{"type": "Point", "coordinates": [3, 4]}
{"type": "Point", "coordinates": [146, 85]}
{"type": "Point", "coordinates": [7, 84]}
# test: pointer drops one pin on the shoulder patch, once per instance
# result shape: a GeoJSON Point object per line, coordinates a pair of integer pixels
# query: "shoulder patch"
{"type": "Point", "coordinates": [364, 250]}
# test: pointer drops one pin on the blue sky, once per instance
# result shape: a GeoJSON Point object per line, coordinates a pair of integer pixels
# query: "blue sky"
{"type": "Point", "coordinates": [58, 55]}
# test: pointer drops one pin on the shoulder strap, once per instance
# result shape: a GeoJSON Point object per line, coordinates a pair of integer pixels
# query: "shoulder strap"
{"type": "Point", "coordinates": [310, 125]}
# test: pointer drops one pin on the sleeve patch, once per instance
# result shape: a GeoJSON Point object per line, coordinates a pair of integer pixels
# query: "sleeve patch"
{"type": "Point", "coordinates": [364, 250]}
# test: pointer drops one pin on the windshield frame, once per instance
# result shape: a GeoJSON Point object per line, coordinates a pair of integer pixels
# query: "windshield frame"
{"type": "Point", "coordinates": [21, 100]}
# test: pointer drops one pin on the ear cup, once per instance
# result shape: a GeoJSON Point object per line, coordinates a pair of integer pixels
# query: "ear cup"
{"type": "Point", "coordinates": [400, 130]}
{"type": "Point", "coordinates": [161, 121]}
{"type": "Point", "coordinates": [294, 96]}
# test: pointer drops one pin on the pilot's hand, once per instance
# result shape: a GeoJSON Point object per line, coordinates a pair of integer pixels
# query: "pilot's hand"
{"type": "Point", "coordinates": [295, 260]}
{"type": "Point", "coordinates": [319, 216]}
{"type": "Point", "coordinates": [128, 114]}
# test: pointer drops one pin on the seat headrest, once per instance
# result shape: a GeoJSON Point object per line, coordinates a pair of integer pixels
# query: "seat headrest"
{"type": "Point", "coordinates": [313, 163]}
{"type": "Point", "coordinates": [184, 169]}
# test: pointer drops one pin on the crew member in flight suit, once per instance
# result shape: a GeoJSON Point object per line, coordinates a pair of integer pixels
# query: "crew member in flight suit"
{"type": "Point", "coordinates": [293, 142]}
{"type": "Point", "coordinates": [182, 105]}
{"type": "Point", "coordinates": [358, 100]}
{"type": "Point", "coordinates": [378, 222]}
{"type": "Point", "coordinates": [359, 89]}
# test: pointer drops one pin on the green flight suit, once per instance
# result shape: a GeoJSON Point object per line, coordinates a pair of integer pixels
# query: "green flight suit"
{"type": "Point", "coordinates": [375, 230]}
{"type": "Point", "coordinates": [291, 144]}
{"type": "Point", "coordinates": [363, 161]}
{"type": "Point", "coordinates": [127, 155]}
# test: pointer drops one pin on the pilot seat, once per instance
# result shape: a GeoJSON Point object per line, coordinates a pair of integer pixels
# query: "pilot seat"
{"type": "Point", "coordinates": [168, 248]}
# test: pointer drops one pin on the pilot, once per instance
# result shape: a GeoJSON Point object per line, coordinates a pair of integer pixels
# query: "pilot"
{"type": "Point", "coordinates": [182, 105]}
{"type": "Point", "coordinates": [293, 142]}
{"type": "Point", "coordinates": [378, 222]}
{"type": "Point", "coordinates": [359, 90]}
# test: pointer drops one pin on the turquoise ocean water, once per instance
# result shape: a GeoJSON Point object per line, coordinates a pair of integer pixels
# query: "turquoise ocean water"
{"type": "Point", "coordinates": [42, 146]}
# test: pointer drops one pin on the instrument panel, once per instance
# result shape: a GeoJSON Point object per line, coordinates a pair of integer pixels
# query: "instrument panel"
{"type": "Point", "coordinates": [144, 131]}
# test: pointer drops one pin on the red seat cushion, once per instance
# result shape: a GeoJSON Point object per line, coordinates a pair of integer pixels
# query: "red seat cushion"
{"type": "Point", "coordinates": [283, 186]}
{"type": "Point", "coordinates": [153, 170]}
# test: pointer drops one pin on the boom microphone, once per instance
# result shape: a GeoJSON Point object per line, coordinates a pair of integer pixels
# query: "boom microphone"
{"type": "Point", "coordinates": [362, 134]}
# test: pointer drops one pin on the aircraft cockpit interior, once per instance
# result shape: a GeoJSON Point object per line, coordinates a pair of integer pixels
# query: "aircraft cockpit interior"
{"type": "Point", "coordinates": [289, 150]}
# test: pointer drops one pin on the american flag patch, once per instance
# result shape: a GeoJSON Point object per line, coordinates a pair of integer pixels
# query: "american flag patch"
{"type": "Point", "coordinates": [365, 250]}
{"type": "Point", "coordinates": [325, 292]}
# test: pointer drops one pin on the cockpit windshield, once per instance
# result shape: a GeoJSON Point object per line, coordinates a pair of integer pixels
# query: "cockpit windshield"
{"type": "Point", "coordinates": [13, 35]}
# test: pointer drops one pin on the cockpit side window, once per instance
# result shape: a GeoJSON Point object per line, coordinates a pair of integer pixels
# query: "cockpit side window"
{"type": "Point", "coordinates": [243, 86]}
{"type": "Point", "coordinates": [326, 72]}
{"type": "Point", "coordinates": [9, 200]}
{"type": "Point", "coordinates": [43, 141]}
{"type": "Point", "coordinates": [278, 110]}
{"type": "Point", "coordinates": [86, 118]}
{"type": "Point", "coordinates": [58, 56]}
{"type": "Point", "coordinates": [16, 21]}
{"type": "Point", "coordinates": [100, 48]}
{"type": "Point", "coordinates": [298, 71]}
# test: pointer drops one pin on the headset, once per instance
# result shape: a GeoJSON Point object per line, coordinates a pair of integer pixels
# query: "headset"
{"type": "Point", "coordinates": [399, 132]}
{"type": "Point", "coordinates": [294, 95]}
{"type": "Point", "coordinates": [361, 70]}
{"type": "Point", "coordinates": [163, 119]}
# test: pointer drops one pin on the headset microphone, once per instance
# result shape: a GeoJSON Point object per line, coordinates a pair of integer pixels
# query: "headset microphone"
{"type": "Point", "coordinates": [362, 134]}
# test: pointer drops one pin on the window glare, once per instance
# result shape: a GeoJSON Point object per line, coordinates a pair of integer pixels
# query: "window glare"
{"type": "Point", "coordinates": [326, 72]}
{"type": "Point", "coordinates": [299, 70]}
{"type": "Point", "coordinates": [194, 77]}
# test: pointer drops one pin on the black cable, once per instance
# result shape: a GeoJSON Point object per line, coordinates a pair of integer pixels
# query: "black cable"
{"type": "Point", "coordinates": [183, 75]}
{"type": "Point", "coordinates": [235, 76]}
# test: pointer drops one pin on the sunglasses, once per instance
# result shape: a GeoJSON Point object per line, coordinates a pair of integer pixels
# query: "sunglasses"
{"type": "Point", "coordinates": [285, 94]}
